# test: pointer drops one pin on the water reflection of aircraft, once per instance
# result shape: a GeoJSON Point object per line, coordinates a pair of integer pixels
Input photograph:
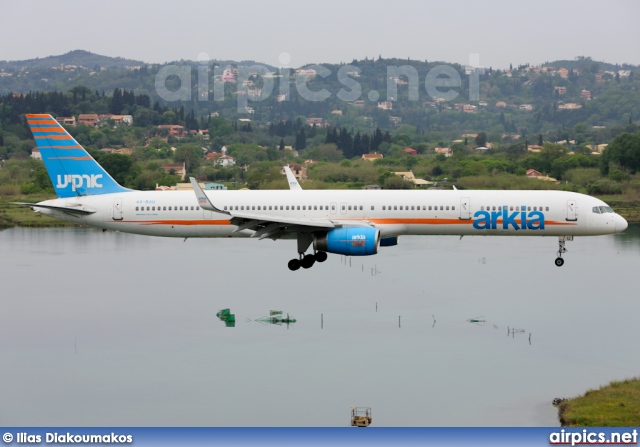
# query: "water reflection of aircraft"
{"type": "Point", "coordinates": [228, 318]}
{"type": "Point", "coordinates": [275, 317]}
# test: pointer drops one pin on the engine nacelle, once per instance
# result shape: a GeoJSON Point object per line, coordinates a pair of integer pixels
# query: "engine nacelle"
{"type": "Point", "coordinates": [350, 241]}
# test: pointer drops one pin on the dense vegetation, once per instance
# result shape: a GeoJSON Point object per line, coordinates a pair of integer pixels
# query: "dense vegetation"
{"type": "Point", "coordinates": [261, 144]}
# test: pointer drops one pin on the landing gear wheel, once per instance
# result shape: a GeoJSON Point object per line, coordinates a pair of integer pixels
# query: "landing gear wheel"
{"type": "Point", "coordinates": [294, 265]}
{"type": "Point", "coordinates": [308, 261]}
{"type": "Point", "coordinates": [321, 256]}
{"type": "Point", "coordinates": [559, 262]}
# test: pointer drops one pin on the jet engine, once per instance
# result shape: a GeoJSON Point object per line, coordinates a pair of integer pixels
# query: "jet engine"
{"type": "Point", "coordinates": [350, 241]}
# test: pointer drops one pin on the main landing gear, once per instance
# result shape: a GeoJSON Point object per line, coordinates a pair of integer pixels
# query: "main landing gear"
{"type": "Point", "coordinates": [562, 249]}
{"type": "Point", "coordinates": [307, 261]}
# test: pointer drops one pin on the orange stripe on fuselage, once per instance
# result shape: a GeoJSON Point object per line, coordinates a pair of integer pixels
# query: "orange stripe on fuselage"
{"type": "Point", "coordinates": [178, 222]}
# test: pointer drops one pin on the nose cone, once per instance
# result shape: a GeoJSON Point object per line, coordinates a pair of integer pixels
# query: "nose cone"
{"type": "Point", "coordinates": [621, 224]}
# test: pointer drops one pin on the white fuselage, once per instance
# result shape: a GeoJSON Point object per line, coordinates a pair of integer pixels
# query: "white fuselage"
{"type": "Point", "coordinates": [393, 212]}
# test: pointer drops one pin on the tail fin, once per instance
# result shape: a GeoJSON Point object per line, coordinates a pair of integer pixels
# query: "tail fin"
{"type": "Point", "coordinates": [72, 170]}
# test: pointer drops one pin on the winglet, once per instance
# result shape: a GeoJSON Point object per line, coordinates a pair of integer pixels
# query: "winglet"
{"type": "Point", "coordinates": [293, 183]}
{"type": "Point", "coordinates": [203, 200]}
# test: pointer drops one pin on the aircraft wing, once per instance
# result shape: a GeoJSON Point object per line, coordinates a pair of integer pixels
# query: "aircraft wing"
{"type": "Point", "coordinates": [267, 225]}
{"type": "Point", "coordinates": [79, 210]}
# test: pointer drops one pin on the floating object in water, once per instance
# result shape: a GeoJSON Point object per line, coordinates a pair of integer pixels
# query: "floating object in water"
{"type": "Point", "coordinates": [228, 318]}
{"type": "Point", "coordinates": [275, 317]}
{"type": "Point", "coordinates": [477, 320]}
{"type": "Point", "coordinates": [360, 416]}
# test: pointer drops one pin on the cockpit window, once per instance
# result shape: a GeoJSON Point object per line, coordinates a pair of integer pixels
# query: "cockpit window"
{"type": "Point", "coordinates": [602, 209]}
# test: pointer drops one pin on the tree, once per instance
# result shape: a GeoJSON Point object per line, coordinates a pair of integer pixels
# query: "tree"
{"type": "Point", "coordinates": [117, 165]}
{"type": "Point", "coordinates": [190, 154]}
{"type": "Point", "coordinates": [481, 139]}
{"type": "Point", "coordinates": [623, 151]}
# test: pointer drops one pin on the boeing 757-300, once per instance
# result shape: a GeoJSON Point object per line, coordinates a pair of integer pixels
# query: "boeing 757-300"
{"type": "Point", "coordinates": [347, 222]}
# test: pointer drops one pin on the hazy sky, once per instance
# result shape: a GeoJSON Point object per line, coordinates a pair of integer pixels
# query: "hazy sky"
{"type": "Point", "coordinates": [500, 31]}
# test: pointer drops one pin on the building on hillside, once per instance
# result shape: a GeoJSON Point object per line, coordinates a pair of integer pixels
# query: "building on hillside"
{"type": "Point", "coordinates": [35, 154]}
{"type": "Point", "coordinates": [446, 151]}
{"type": "Point", "coordinates": [501, 104]}
{"type": "Point", "coordinates": [90, 119]}
{"type": "Point", "coordinates": [586, 94]}
{"type": "Point", "coordinates": [178, 168]}
{"type": "Point", "coordinates": [66, 120]}
{"type": "Point", "coordinates": [410, 177]}
{"type": "Point", "coordinates": [122, 119]}
{"type": "Point", "coordinates": [122, 150]}
{"type": "Point", "coordinates": [569, 106]}
{"type": "Point", "coordinates": [410, 151]}
{"type": "Point", "coordinates": [534, 148]}
{"type": "Point", "coordinates": [560, 91]}
{"type": "Point", "coordinates": [469, 108]}
{"type": "Point", "coordinates": [526, 107]}
{"type": "Point", "coordinates": [174, 130]}
{"type": "Point", "coordinates": [213, 186]}
{"type": "Point", "coordinates": [385, 105]}
{"type": "Point", "coordinates": [372, 157]}
{"type": "Point", "coordinates": [563, 72]}
{"type": "Point", "coordinates": [225, 161]}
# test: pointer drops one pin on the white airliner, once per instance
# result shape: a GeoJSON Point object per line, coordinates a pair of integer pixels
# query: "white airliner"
{"type": "Point", "coordinates": [352, 223]}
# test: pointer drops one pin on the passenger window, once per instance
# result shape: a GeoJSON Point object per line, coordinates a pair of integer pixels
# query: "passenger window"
{"type": "Point", "coordinates": [372, 208]}
{"type": "Point", "coordinates": [412, 208]}
{"type": "Point", "coordinates": [384, 207]}
{"type": "Point", "coordinates": [453, 207]}
{"type": "Point", "coordinates": [253, 207]}
{"type": "Point", "coordinates": [333, 207]}
{"type": "Point", "coordinates": [424, 207]}
{"type": "Point", "coordinates": [349, 207]}
{"type": "Point", "coordinates": [298, 207]}
{"type": "Point", "coordinates": [281, 208]}
{"type": "Point", "coordinates": [395, 207]}
{"type": "Point", "coordinates": [510, 208]}
{"type": "Point", "coordinates": [287, 207]}
{"type": "Point", "coordinates": [342, 207]}
{"type": "Point", "coordinates": [360, 207]}
{"type": "Point", "coordinates": [547, 208]}
{"type": "Point", "coordinates": [400, 207]}
{"type": "Point", "coordinates": [528, 208]}
{"type": "Point", "coordinates": [447, 208]}
{"type": "Point", "coordinates": [429, 207]}
{"type": "Point", "coordinates": [441, 207]}
{"type": "Point", "coordinates": [148, 208]}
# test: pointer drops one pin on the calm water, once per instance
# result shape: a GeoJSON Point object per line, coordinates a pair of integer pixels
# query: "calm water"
{"type": "Point", "coordinates": [114, 329]}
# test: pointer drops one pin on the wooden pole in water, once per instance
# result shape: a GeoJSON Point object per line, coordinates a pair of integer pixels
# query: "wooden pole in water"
{"type": "Point", "coordinates": [399, 321]}
{"type": "Point", "coordinates": [321, 321]}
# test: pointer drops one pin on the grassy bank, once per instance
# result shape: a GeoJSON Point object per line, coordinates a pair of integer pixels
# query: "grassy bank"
{"type": "Point", "coordinates": [22, 216]}
{"type": "Point", "coordinates": [628, 206]}
{"type": "Point", "coordinates": [614, 405]}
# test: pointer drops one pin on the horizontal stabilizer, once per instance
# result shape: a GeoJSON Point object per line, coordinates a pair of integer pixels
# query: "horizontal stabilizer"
{"type": "Point", "coordinates": [80, 210]}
